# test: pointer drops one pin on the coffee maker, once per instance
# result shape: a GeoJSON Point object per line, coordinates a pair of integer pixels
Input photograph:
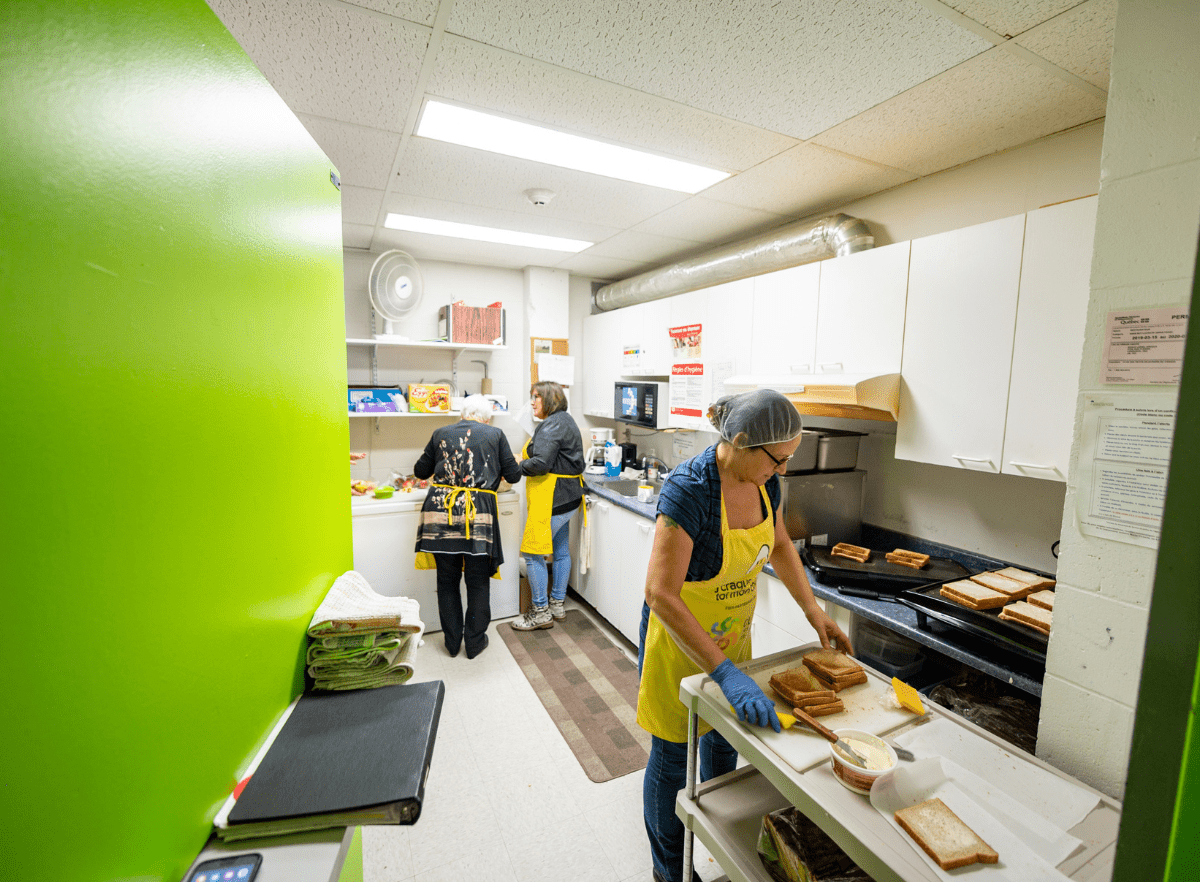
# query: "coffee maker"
{"type": "Point", "coordinates": [593, 457]}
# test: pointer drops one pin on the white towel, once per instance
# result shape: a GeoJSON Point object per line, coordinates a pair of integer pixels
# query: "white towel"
{"type": "Point", "coordinates": [352, 605]}
{"type": "Point", "coordinates": [585, 539]}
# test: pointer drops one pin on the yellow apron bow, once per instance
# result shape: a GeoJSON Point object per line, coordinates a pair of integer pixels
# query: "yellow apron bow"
{"type": "Point", "coordinates": [425, 560]}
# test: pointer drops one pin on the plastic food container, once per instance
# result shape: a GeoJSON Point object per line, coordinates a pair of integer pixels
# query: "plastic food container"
{"type": "Point", "coordinates": [853, 776]}
{"type": "Point", "coordinates": [837, 449]}
{"type": "Point", "coordinates": [384, 492]}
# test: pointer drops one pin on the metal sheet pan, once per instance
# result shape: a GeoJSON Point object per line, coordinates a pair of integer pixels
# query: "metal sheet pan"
{"type": "Point", "coordinates": [983, 624]}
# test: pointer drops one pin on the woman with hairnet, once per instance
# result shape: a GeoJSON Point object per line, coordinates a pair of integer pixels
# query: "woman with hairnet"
{"type": "Point", "coordinates": [719, 521]}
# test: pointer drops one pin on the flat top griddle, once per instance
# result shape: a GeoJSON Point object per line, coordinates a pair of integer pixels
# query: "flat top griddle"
{"type": "Point", "coordinates": [877, 574]}
{"type": "Point", "coordinates": [984, 624]}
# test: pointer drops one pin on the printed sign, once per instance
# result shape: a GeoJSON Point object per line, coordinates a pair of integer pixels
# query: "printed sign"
{"type": "Point", "coordinates": [1145, 347]}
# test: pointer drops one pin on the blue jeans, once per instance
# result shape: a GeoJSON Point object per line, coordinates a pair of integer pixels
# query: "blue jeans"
{"type": "Point", "coordinates": [535, 564]}
{"type": "Point", "coordinates": [666, 775]}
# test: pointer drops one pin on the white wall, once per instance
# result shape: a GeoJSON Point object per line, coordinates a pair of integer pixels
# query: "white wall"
{"type": "Point", "coordinates": [392, 443]}
{"type": "Point", "coordinates": [1146, 230]}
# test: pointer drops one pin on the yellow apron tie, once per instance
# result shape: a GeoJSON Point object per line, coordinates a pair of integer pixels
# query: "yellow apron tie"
{"type": "Point", "coordinates": [724, 605]}
{"type": "Point", "coordinates": [424, 559]}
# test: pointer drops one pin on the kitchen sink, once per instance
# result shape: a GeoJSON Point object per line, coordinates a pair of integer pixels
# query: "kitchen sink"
{"type": "Point", "coordinates": [629, 486]}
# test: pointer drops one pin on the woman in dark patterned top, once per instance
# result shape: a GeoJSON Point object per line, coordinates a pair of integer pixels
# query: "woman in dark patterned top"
{"type": "Point", "coordinates": [458, 521]}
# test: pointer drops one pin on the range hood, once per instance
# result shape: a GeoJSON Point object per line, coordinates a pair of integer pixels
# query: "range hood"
{"type": "Point", "coordinates": [849, 396]}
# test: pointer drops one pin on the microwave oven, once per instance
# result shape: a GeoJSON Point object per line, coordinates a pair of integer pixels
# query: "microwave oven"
{"type": "Point", "coordinates": [641, 404]}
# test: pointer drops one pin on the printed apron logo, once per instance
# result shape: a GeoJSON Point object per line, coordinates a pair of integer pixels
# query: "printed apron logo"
{"type": "Point", "coordinates": [764, 552]}
{"type": "Point", "coordinates": [726, 632]}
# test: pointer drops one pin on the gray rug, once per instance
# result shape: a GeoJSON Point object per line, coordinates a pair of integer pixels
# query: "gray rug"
{"type": "Point", "coordinates": [589, 687]}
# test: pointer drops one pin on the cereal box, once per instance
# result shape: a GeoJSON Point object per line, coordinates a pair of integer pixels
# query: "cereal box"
{"type": "Point", "coordinates": [428, 398]}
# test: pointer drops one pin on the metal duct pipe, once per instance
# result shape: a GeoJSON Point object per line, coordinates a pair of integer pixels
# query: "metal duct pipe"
{"type": "Point", "coordinates": [778, 249]}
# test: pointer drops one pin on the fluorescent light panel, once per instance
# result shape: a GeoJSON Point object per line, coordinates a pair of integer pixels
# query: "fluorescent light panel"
{"type": "Point", "coordinates": [482, 234]}
{"type": "Point", "coordinates": [496, 134]}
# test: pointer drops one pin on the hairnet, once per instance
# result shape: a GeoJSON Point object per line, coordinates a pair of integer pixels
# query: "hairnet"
{"type": "Point", "coordinates": [764, 416]}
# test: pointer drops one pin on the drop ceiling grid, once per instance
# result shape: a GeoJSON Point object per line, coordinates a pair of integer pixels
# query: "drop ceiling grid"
{"type": "Point", "coordinates": [362, 156]}
{"type": "Point", "coordinates": [644, 247]}
{"type": "Point", "coordinates": [335, 62]}
{"type": "Point", "coordinates": [601, 269]}
{"type": "Point", "coordinates": [1081, 41]}
{"type": "Point", "coordinates": [705, 220]}
{"type": "Point", "coordinates": [421, 12]}
{"type": "Point", "coordinates": [1010, 17]}
{"type": "Point", "coordinates": [494, 79]}
{"type": "Point", "coordinates": [988, 104]}
{"type": "Point", "coordinates": [588, 230]}
{"type": "Point", "coordinates": [460, 174]}
{"type": "Point", "coordinates": [426, 247]}
{"type": "Point", "coordinates": [825, 61]}
{"type": "Point", "coordinates": [805, 179]}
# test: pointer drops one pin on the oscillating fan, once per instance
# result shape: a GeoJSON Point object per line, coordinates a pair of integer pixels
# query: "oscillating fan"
{"type": "Point", "coordinates": [395, 288]}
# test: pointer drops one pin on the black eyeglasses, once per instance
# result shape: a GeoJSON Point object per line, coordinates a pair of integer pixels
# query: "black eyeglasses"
{"type": "Point", "coordinates": [778, 462]}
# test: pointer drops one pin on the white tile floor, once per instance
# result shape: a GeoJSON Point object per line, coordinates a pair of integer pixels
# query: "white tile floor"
{"type": "Point", "coordinates": [506, 800]}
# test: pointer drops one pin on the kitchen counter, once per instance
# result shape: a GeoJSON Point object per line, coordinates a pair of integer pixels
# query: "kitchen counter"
{"type": "Point", "coordinates": [890, 614]}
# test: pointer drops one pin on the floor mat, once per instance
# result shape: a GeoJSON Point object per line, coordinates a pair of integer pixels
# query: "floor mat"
{"type": "Point", "coordinates": [589, 687]}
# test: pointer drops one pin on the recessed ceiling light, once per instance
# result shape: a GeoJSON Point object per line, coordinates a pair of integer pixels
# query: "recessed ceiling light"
{"type": "Point", "coordinates": [497, 134]}
{"type": "Point", "coordinates": [482, 234]}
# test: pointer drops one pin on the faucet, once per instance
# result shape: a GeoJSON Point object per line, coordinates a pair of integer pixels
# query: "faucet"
{"type": "Point", "coordinates": [647, 460]}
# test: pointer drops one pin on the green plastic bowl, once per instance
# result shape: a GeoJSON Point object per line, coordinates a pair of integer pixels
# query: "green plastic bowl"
{"type": "Point", "coordinates": [384, 492]}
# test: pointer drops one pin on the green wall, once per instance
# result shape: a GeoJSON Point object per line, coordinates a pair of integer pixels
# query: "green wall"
{"type": "Point", "coordinates": [174, 431]}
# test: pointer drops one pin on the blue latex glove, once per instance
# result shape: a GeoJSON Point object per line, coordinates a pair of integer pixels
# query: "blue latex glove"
{"type": "Point", "coordinates": [749, 702]}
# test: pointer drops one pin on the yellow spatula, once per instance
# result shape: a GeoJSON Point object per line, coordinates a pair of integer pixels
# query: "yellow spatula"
{"type": "Point", "coordinates": [908, 697]}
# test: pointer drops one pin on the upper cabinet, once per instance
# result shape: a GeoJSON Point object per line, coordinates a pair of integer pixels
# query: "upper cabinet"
{"type": "Point", "coordinates": [645, 343]}
{"type": "Point", "coordinates": [993, 338]}
{"type": "Point", "coordinates": [602, 347]}
{"type": "Point", "coordinates": [860, 311]}
{"type": "Point", "coordinates": [783, 336]}
{"type": "Point", "coordinates": [958, 340]}
{"type": "Point", "coordinates": [1048, 347]}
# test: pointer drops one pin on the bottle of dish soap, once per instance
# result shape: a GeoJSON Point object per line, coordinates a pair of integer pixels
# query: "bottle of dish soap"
{"type": "Point", "coordinates": [612, 460]}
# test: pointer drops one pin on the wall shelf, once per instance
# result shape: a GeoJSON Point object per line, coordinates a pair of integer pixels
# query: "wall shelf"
{"type": "Point", "coordinates": [427, 344]}
{"type": "Point", "coordinates": [391, 414]}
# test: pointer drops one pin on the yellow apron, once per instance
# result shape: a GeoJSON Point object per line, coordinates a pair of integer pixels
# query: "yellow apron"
{"type": "Point", "coordinates": [425, 559]}
{"type": "Point", "coordinates": [724, 606]}
{"type": "Point", "coordinates": [539, 498]}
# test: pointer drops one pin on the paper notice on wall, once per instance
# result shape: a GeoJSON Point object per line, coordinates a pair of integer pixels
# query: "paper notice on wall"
{"type": "Point", "coordinates": [1145, 347]}
{"type": "Point", "coordinates": [631, 357]}
{"type": "Point", "coordinates": [689, 396]}
{"type": "Point", "coordinates": [1124, 459]}
{"type": "Point", "coordinates": [556, 369]}
{"type": "Point", "coordinates": [684, 446]}
{"type": "Point", "coordinates": [685, 343]}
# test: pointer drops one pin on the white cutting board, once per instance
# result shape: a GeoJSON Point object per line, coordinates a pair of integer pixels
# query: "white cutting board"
{"type": "Point", "coordinates": [802, 748]}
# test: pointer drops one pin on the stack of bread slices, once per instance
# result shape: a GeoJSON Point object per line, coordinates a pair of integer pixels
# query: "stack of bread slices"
{"type": "Point", "coordinates": [834, 669]}
{"type": "Point", "coordinates": [1025, 597]}
{"type": "Point", "coordinates": [799, 688]}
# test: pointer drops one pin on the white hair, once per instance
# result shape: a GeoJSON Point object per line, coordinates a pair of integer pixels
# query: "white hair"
{"type": "Point", "coordinates": [477, 408]}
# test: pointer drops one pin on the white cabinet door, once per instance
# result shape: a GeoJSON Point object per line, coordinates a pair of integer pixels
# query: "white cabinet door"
{"type": "Point", "coordinates": [1051, 314]}
{"type": "Point", "coordinates": [958, 339]}
{"type": "Point", "coordinates": [602, 351]}
{"type": "Point", "coordinates": [506, 591]}
{"type": "Point", "coordinates": [730, 323]}
{"type": "Point", "coordinates": [645, 329]}
{"type": "Point", "coordinates": [594, 586]}
{"type": "Point", "coordinates": [860, 311]}
{"type": "Point", "coordinates": [384, 552]}
{"type": "Point", "coordinates": [783, 335]}
{"type": "Point", "coordinates": [636, 561]}
{"type": "Point", "coordinates": [776, 607]}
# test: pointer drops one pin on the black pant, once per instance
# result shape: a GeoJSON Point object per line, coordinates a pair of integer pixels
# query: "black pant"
{"type": "Point", "coordinates": [478, 571]}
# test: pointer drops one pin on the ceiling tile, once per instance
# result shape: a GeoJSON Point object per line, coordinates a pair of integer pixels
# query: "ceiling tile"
{"type": "Point", "coordinates": [529, 222]}
{"type": "Point", "coordinates": [1010, 17]}
{"type": "Point", "coordinates": [331, 61]}
{"type": "Point", "coordinates": [1081, 41]}
{"type": "Point", "coordinates": [805, 179]}
{"type": "Point", "coordinates": [436, 170]}
{"type": "Point", "coordinates": [989, 104]}
{"type": "Point", "coordinates": [425, 247]}
{"type": "Point", "coordinates": [644, 247]}
{"type": "Point", "coordinates": [824, 61]}
{"type": "Point", "coordinates": [422, 12]}
{"type": "Point", "coordinates": [356, 235]}
{"type": "Point", "coordinates": [362, 156]}
{"type": "Point", "coordinates": [496, 80]}
{"type": "Point", "coordinates": [704, 220]}
{"type": "Point", "coordinates": [360, 205]}
{"type": "Point", "coordinates": [604, 269]}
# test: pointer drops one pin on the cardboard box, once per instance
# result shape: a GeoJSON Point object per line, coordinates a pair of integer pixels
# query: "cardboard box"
{"type": "Point", "coordinates": [476, 325]}
{"type": "Point", "coordinates": [526, 596]}
{"type": "Point", "coordinates": [376, 399]}
{"type": "Point", "coordinates": [428, 398]}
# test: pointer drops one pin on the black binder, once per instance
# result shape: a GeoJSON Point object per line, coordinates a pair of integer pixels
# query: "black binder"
{"type": "Point", "coordinates": [343, 759]}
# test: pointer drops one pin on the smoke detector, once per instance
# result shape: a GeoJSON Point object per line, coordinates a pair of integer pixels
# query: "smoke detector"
{"type": "Point", "coordinates": [538, 196]}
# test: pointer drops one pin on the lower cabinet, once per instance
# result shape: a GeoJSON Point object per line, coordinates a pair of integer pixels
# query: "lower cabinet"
{"type": "Point", "coordinates": [615, 582]}
{"type": "Point", "coordinates": [779, 623]}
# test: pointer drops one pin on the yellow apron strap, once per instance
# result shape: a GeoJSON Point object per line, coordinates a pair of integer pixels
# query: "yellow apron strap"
{"type": "Point", "coordinates": [468, 502]}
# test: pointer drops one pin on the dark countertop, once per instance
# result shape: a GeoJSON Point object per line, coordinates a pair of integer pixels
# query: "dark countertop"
{"type": "Point", "coordinates": [891, 614]}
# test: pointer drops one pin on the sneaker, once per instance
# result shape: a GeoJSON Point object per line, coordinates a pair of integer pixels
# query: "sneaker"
{"type": "Point", "coordinates": [537, 617]}
{"type": "Point", "coordinates": [556, 609]}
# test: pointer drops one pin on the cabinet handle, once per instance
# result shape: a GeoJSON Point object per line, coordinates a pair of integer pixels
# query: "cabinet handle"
{"type": "Point", "coordinates": [799, 368]}
{"type": "Point", "coordinates": [646, 528]}
{"type": "Point", "coordinates": [966, 459]}
{"type": "Point", "coordinates": [825, 368]}
{"type": "Point", "coordinates": [1033, 467]}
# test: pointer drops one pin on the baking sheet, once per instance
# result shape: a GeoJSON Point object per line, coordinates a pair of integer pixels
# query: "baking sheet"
{"type": "Point", "coordinates": [1028, 847]}
{"type": "Point", "coordinates": [867, 709]}
{"type": "Point", "coordinates": [986, 624]}
{"type": "Point", "coordinates": [878, 573]}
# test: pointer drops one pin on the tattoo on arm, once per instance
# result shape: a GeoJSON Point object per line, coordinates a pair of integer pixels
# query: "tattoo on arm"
{"type": "Point", "coordinates": [670, 523]}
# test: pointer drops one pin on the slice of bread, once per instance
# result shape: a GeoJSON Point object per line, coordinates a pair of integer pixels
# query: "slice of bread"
{"type": "Point", "coordinates": [1014, 589]}
{"type": "Point", "coordinates": [824, 710]}
{"type": "Point", "coordinates": [830, 661]}
{"type": "Point", "coordinates": [1028, 614]}
{"type": "Point", "coordinates": [1044, 599]}
{"type": "Point", "coordinates": [1033, 580]}
{"type": "Point", "coordinates": [793, 682]}
{"type": "Point", "coordinates": [973, 595]}
{"type": "Point", "coordinates": [821, 696]}
{"type": "Point", "coordinates": [944, 836]}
